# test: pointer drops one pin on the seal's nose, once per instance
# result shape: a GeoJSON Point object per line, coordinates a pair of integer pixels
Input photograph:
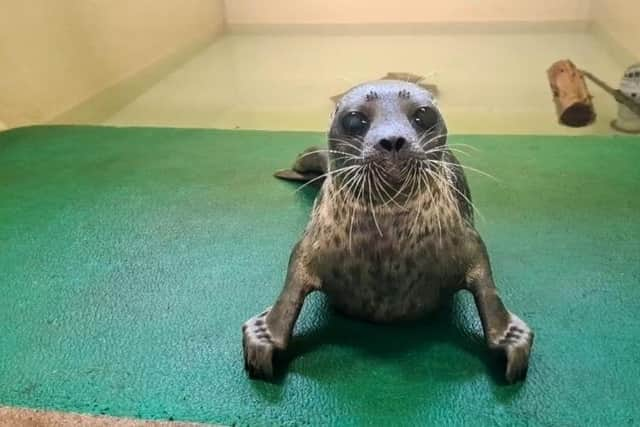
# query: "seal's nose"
{"type": "Point", "coordinates": [391, 144]}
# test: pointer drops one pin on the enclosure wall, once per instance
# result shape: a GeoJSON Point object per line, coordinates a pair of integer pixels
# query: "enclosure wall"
{"type": "Point", "coordinates": [56, 54]}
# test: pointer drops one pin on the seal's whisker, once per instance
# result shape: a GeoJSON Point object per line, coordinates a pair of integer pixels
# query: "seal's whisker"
{"type": "Point", "coordinates": [348, 189]}
{"type": "Point", "coordinates": [433, 127]}
{"type": "Point", "coordinates": [466, 167]}
{"type": "Point", "coordinates": [343, 168]}
{"type": "Point", "coordinates": [326, 151]}
{"type": "Point", "coordinates": [354, 138]}
{"type": "Point", "coordinates": [416, 178]}
{"type": "Point", "coordinates": [344, 159]}
{"type": "Point", "coordinates": [406, 169]}
{"type": "Point", "coordinates": [408, 182]}
{"type": "Point", "coordinates": [418, 211]}
{"type": "Point", "coordinates": [471, 147]}
{"type": "Point", "coordinates": [377, 180]}
{"type": "Point", "coordinates": [445, 149]}
{"type": "Point", "coordinates": [413, 180]}
{"type": "Point", "coordinates": [377, 186]}
{"type": "Point", "coordinates": [450, 186]}
{"type": "Point", "coordinates": [392, 199]}
{"type": "Point", "coordinates": [399, 191]}
{"type": "Point", "coordinates": [447, 178]}
{"type": "Point", "coordinates": [348, 143]}
{"type": "Point", "coordinates": [423, 142]}
{"type": "Point", "coordinates": [381, 184]}
{"type": "Point", "coordinates": [430, 129]}
{"type": "Point", "coordinates": [360, 182]}
{"type": "Point", "coordinates": [437, 211]}
{"type": "Point", "coordinates": [427, 134]}
{"type": "Point", "coordinates": [373, 211]}
{"type": "Point", "coordinates": [348, 179]}
{"type": "Point", "coordinates": [355, 148]}
{"type": "Point", "coordinates": [324, 175]}
{"type": "Point", "coordinates": [427, 173]}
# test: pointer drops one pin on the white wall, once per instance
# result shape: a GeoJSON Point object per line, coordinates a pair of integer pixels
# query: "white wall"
{"type": "Point", "coordinates": [55, 54]}
{"type": "Point", "coordinates": [620, 20]}
{"type": "Point", "coordinates": [269, 12]}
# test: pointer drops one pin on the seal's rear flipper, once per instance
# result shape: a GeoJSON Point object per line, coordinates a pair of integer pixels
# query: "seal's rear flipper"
{"type": "Point", "coordinates": [292, 175]}
{"type": "Point", "coordinates": [310, 164]}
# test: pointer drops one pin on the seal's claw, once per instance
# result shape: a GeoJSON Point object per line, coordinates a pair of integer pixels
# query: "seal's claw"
{"type": "Point", "coordinates": [258, 347]}
{"type": "Point", "coordinates": [515, 343]}
{"type": "Point", "coordinates": [517, 364]}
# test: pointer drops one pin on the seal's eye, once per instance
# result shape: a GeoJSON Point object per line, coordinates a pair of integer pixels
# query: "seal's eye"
{"type": "Point", "coordinates": [425, 118]}
{"type": "Point", "coordinates": [355, 123]}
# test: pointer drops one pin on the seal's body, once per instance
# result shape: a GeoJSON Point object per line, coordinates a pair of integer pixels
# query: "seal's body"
{"type": "Point", "coordinates": [391, 234]}
{"type": "Point", "coordinates": [388, 268]}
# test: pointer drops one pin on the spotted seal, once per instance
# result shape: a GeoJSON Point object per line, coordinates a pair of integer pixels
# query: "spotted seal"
{"type": "Point", "coordinates": [391, 234]}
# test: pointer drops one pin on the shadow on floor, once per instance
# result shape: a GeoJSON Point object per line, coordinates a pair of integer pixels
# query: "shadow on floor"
{"type": "Point", "coordinates": [455, 324]}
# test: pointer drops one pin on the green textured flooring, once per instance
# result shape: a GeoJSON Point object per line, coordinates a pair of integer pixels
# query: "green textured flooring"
{"type": "Point", "coordinates": [130, 257]}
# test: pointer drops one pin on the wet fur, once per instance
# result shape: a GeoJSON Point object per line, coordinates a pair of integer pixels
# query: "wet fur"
{"type": "Point", "coordinates": [402, 274]}
{"type": "Point", "coordinates": [382, 261]}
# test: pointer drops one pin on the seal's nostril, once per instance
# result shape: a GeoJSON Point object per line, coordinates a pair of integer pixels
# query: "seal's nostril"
{"type": "Point", "coordinates": [392, 144]}
{"type": "Point", "coordinates": [386, 144]}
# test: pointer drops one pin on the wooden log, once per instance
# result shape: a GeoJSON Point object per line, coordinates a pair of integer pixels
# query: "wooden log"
{"type": "Point", "coordinates": [570, 94]}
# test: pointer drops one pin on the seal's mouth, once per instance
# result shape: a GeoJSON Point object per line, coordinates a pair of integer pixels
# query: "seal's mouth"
{"type": "Point", "coordinates": [395, 167]}
{"type": "Point", "coordinates": [385, 179]}
{"type": "Point", "coordinates": [395, 173]}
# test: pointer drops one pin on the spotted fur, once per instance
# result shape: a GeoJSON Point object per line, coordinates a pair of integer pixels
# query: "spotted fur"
{"type": "Point", "coordinates": [383, 261]}
{"type": "Point", "coordinates": [394, 276]}
{"type": "Point", "coordinates": [372, 96]}
{"type": "Point", "coordinates": [403, 93]}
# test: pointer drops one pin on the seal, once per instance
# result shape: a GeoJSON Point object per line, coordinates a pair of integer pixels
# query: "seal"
{"type": "Point", "coordinates": [391, 235]}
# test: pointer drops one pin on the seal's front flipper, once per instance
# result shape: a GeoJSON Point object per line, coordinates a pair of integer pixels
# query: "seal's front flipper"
{"type": "Point", "coordinates": [514, 341]}
{"type": "Point", "coordinates": [505, 333]}
{"type": "Point", "coordinates": [309, 165]}
{"type": "Point", "coordinates": [271, 330]}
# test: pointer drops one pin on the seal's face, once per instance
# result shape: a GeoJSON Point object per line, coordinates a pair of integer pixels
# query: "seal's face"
{"type": "Point", "coordinates": [384, 130]}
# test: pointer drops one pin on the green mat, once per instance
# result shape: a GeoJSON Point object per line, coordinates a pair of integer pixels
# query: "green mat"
{"type": "Point", "coordinates": [129, 259]}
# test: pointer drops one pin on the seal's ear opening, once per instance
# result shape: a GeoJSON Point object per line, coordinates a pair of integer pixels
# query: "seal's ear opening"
{"type": "Point", "coordinates": [309, 165]}
{"type": "Point", "coordinates": [406, 77]}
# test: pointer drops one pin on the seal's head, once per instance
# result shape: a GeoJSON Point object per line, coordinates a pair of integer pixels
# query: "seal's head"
{"type": "Point", "coordinates": [387, 127]}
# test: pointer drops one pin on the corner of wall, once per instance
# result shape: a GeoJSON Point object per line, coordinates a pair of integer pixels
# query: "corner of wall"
{"type": "Point", "coordinates": [613, 22]}
{"type": "Point", "coordinates": [225, 17]}
{"type": "Point", "coordinates": [591, 10]}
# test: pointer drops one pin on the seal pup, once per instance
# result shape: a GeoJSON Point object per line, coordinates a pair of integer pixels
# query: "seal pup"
{"type": "Point", "coordinates": [391, 234]}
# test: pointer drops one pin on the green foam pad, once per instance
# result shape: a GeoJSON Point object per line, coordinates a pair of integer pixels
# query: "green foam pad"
{"type": "Point", "coordinates": [130, 257]}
